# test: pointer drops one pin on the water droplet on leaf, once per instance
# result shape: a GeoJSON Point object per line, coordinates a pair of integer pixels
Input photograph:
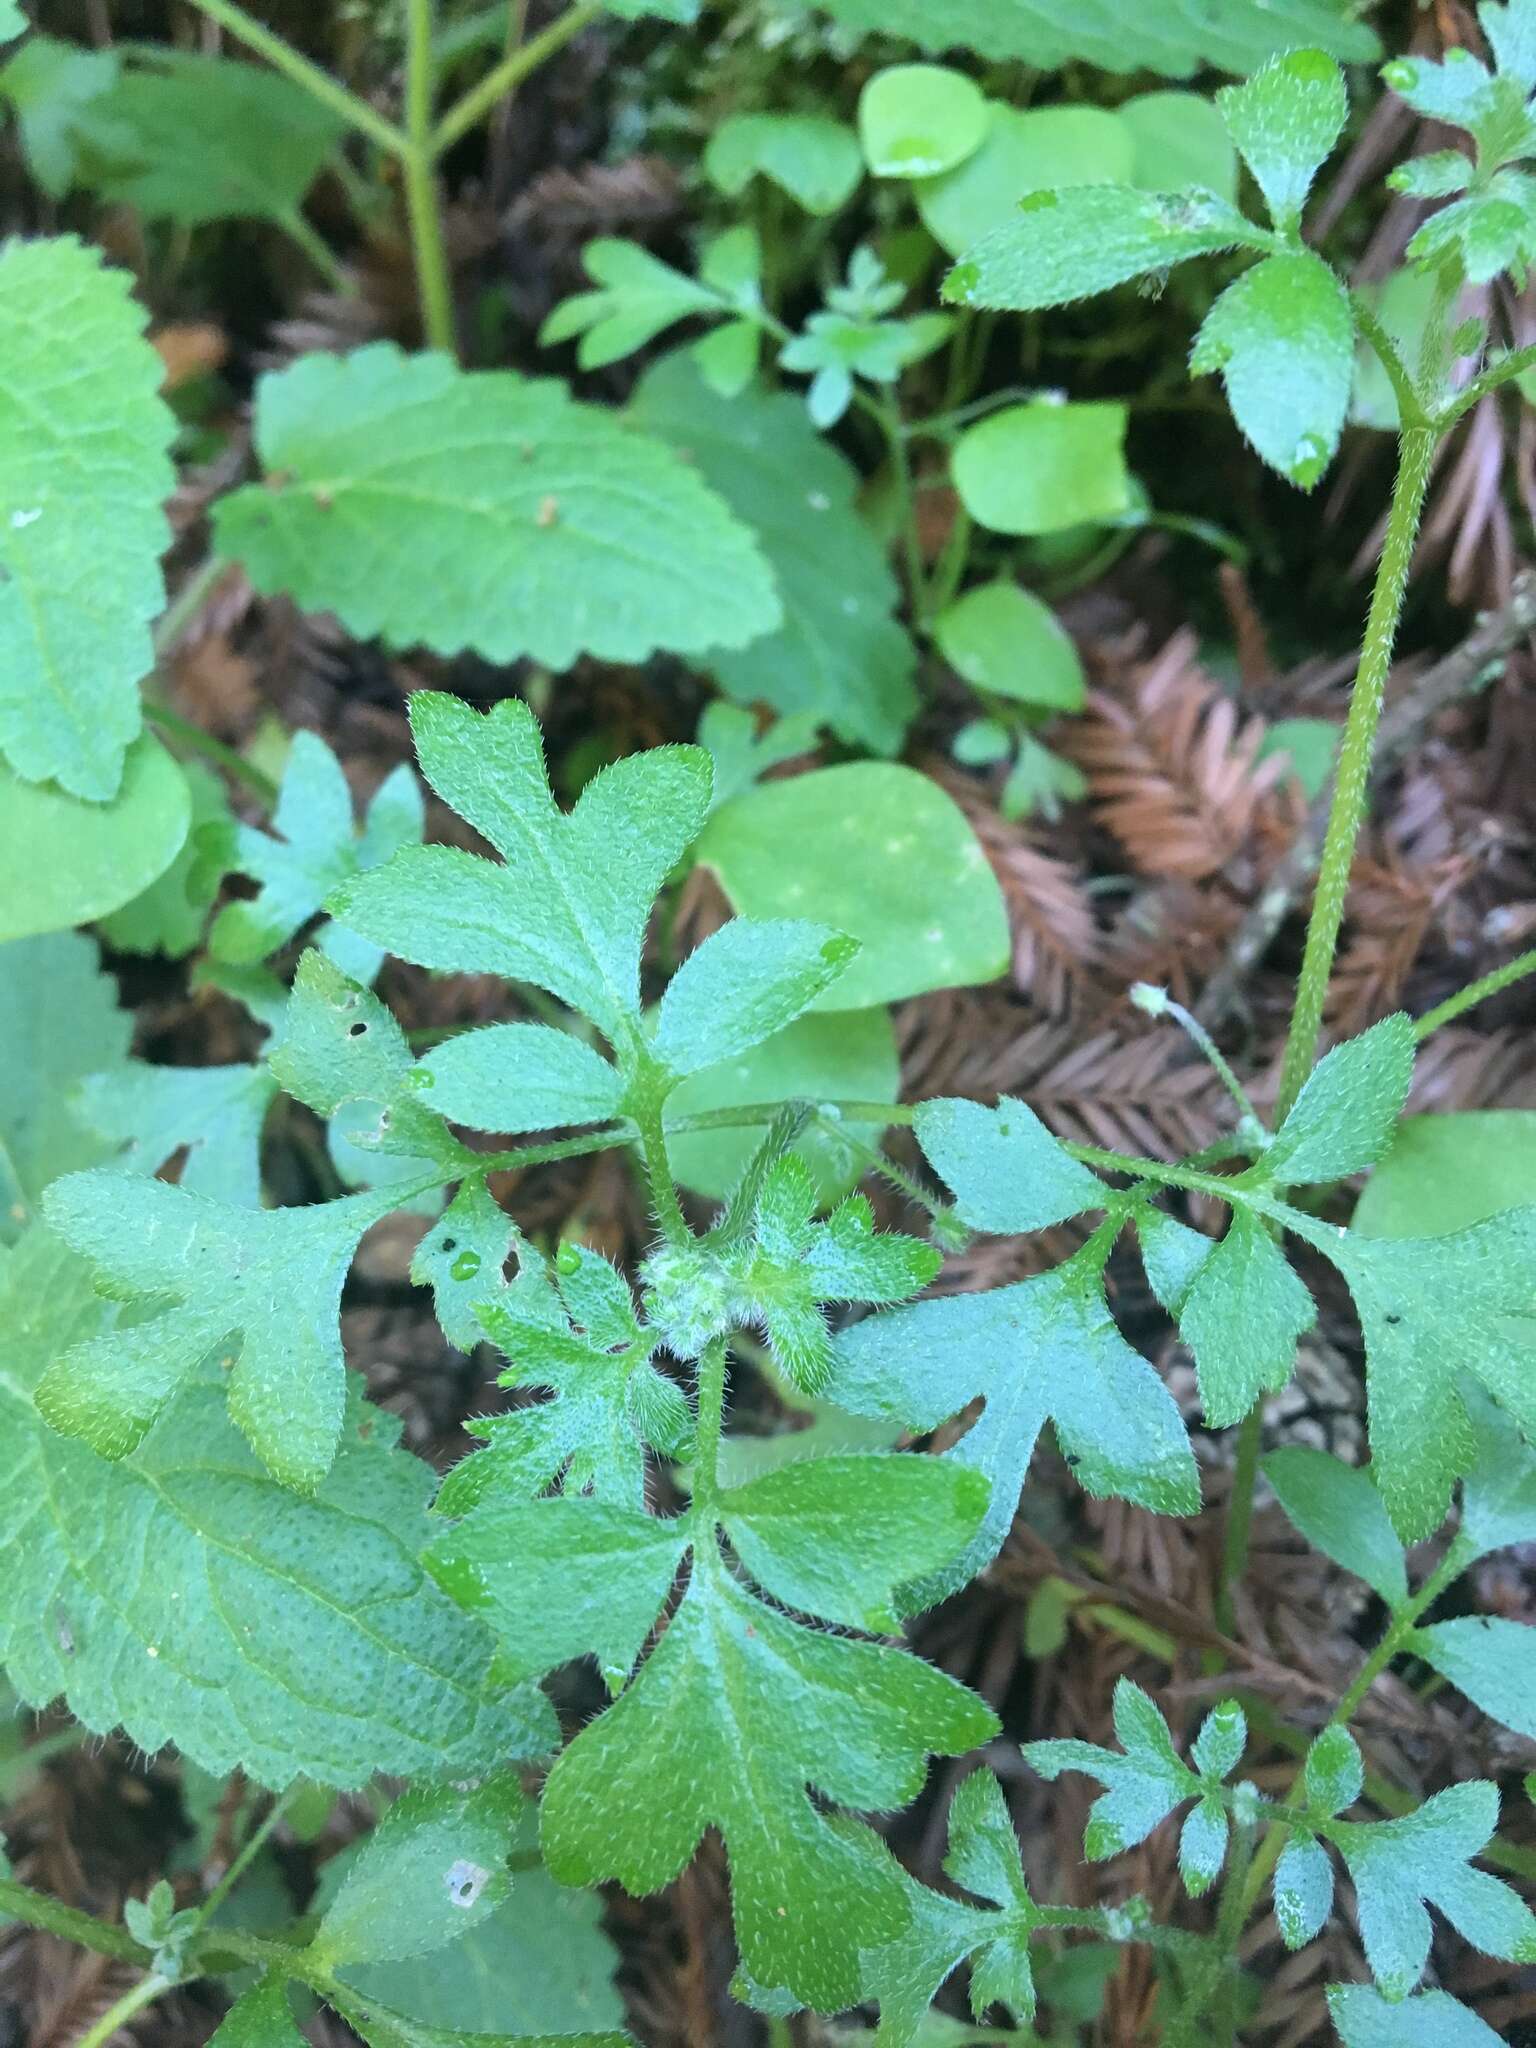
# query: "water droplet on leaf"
{"type": "Point", "coordinates": [465, 1266]}
{"type": "Point", "coordinates": [1309, 460]}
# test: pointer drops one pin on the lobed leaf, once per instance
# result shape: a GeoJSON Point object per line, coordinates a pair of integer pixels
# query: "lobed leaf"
{"type": "Point", "coordinates": [1007, 1172]}
{"type": "Point", "coordinates": [146, 1114]}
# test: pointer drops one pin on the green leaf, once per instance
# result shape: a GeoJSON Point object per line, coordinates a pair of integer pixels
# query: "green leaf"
{"type": "Point", "coordinates": [169, 915]}
{"type": "Point", "coordinates": [49, 84]}
{"type": "Point", "coordinates": [313, 848]}
{"type": "Point", "coordinates": [1303, 1889]}
{"type": "Point", "coordinates": [1489, 231]}
{"type": "Point", "coordinates": [778, 1272]}
{"type": "Point", "coordinates": [1007, 1172]}
{"type": "Point", "coordinates": [1242, 1314]}
{"type": "Point", "coordinates": [1068, 244]}
{"type": "Point", "coordinates": [269, 1277]}
{"type": "Point", "coordinates": [1498, 1492]}
{"type": "Point", "coordinates": [849, 1057]}
{"type": "Point", "coordinates": [1043, 467]}
{"type": "Point", "coordinates": [59, 1021]}
{"type": "Point", "coordinates": [874, 850]}
{"type": "Point", "coordinates": [1338, 1510]}
{"type": "Point", "coordinates": [12, 21]}
{"type": "Point", "coordinates": [1043, 1349]}
{"type": "Point", "coordinates": [550, 529]}
{"type": "Point", "coordinates": [919, 120]}
{"type": "Point", "coordinates": [1398, 1865]}
{"type": "Point", "coordinates": [148, 1113]}
{"type": "Point", "coordinates": [1220, 1741]}
{"type": "Point", "coordinates": [1203, 1846]}
{"type": "Point", "coordinates": [1285, 120]}
{"type": "Point", "coordinates": [840, 655]}
{"type": "Point", "coordinates": [637, 297]}
{"type": "Point", "coordinates": [1333, 1774]}
{"type": "Point", "coordinates": [568, 909]}
{"type": "Point", "coordinates": [519, 1077]}
{"type": "Point", "coordinates": [83, 452]}
{"type": "Point", "coordinates": [189, 139]}
{"type": "Point", "coordinates": [67, 860]}
{"type": "Point", "coordinates": [742, 755]}
{"type": "Point", "coordinates": [541, 1964]}
{"type": "Point", "coordinates": [1020, 154]}
{"type": "Point", "coordinates": [462, 1258]}
{"type": "Point", "coordinates": [735, 1713]}
{"type": "Point", "coordinates": [1175, 39]}
{"type": "Point", "coordinates": [1463, 93]}
{"type": "Point", "coordinates": [1444, 1172]}
{"type": "Point", "coordinates": [1310, 747]}
{"type": "Point", "coordinates": [747, 981]}
{"type": "Point", "coordinates": [1180, 142]}
{"type": "Point", "coordinates": [433, 1868]}
{"type": "Point", "coordinates": [584, 1344]}
{"type": "Point", "coordinates": [1432, 2019]}
{"type": "Point", "coordinates": [290, 1637]}
{"type": "Point", "coordinates": [260, 2018]}
{"type": "Point", "coordinates": [1142, 1786]}
{"type": "Point", "coordinates": [820, 1534]}
{"type": "Point", "coordinates": [1004, 641]}
{"type": "Point", "coordinates": [814, 159]}
{"type": "Point", "coordinates": [1283, 339]}
{"type": "Point", "coordinates": [1491, 1660]}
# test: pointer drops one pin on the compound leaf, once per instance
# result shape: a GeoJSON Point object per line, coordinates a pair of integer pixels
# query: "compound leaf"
{"type": "Point", "coordinates": [270, 1278]}
{"type": "Point", "coordinates": [182, 1595]}
{"type": "Point", "coordinates": [432, 506]}
{"type": "Point", "coordinates": [1175, 40]}
{"type": "Point", "coordinates": [637, 297]}
{"type": "Point", "coordinates": [840, 654]}
{"type": "Point", "coordinates": [735, 1714]}
{"type": "Point", "coordinates": [313, 848]}
{"type": "Point", "coordinates": [1044, 1349]}
{"type": "Point", "coordinates": [568, 909]}
{"type": "Point", "coordinates": [1399, 1865]}
{"type": "Point", "coordinates": [84, 441]}
{"type": "Point", "coordinates": [1145, 1779]}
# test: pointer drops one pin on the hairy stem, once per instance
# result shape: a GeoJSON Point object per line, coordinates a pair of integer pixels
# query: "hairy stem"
{"type": "Point", "coordinates": [1347, 813]}
{"type": "Point", "coordinates": [433, 287]}
{"type": "Point", "coordinates": [510, 73]}
{"type": "Point", "coordinates": [145, 1992]}
{"type": "Point", "coordinates": [1475, 993]}
{"type": "Point", "coordinates": [51, 1916]}
{"type": "Point", "coordinates": [1239, 1526]}
{"type": "Point", "coordinates": [711, 1386]}
{"type": "Point", "coordinates": [1398, 1630]}
{"type": "Point", "coordinates": [319, 84]}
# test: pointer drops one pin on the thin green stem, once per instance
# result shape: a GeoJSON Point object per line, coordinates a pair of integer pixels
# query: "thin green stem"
{"type": "Point", "coordinates": [185, 605]}
{"type": "Point", "coordinates": [646, 1112]}
{"type": "Point", "coordinates": [319, 252]}
{"type": "Point", "coordinates": [1410, 408]}
{"type": "Point", "coordinates": [1158, 1003]}
{"type": "Point", "coordinates": [1351, 790]}
{"type": "Point", "coordinates": [433, 286]}
{"type": "Point", "coordinates": [509, 74]}
{"type": "Point", "coordinates": [1475, 993]}
{"type": "Point", "coordinates": [145, 1992]}
{"type": "Point", "coordinates": [889, 416]}
{"type": "Point", "coordinates": [319, 84]}
{"type": "Point", "coordinates": [1234, 1547]}
{"type": "Point", "coordinates": [242, 1861]}
{"type": "Point", "coordinates": [176, 727]}
{"type": "Point", "coordinates": [1514, 364]}
{"type": "Point", "coordinates": [1393, 1640]}
{"type": "Point", "coordinates": [51, 1916]}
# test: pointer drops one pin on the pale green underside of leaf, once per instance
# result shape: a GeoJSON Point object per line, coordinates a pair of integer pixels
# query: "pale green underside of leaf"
{"type": "Point", "coordinates": [840, 652]}
{"type": "Point", "coordinates": [59, 1021]}
{"type": "Point", "coordinates": [216, 1112]}
{"type": "Point", "coordinates": [83, 471]}
{"type": "Point", "coordinates": [1044, 1349]}
{"type": "Point", "coordinates": [1432, 2020]}
{"type": "Point", "coordinates": [186, 1598]}
{"type": "Point", "coordinates": [430, 506]}
{"type": "Point", "coordinates": [1174, 38]}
